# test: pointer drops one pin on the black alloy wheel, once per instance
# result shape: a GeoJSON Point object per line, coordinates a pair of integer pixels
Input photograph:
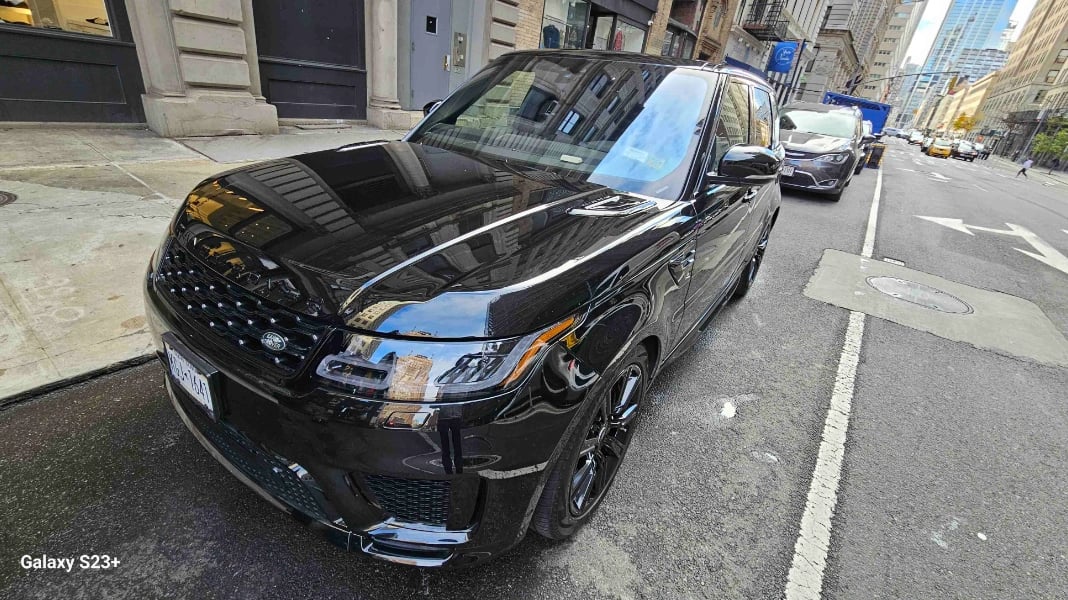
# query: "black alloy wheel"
{"type": "Point", "coordinates": [606, 442]}
{"type": "Point", "coordinates": [749, 275]}
{"type": "Point", "coordinates": [587, 466]}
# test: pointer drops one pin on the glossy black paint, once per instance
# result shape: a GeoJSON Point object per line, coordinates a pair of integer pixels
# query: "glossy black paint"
{"type": "Point", "coordinates": [398, 237]}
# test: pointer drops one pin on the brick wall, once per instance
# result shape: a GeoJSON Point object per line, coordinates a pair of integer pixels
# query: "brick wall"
{"type": "Point", "coordinates": [654, 41]}
{"type": "Point", "coordinates": [528, 27]}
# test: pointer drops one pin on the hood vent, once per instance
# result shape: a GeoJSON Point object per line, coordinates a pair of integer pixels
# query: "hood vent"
{"type": "Point", "coordinates": [613, 206]}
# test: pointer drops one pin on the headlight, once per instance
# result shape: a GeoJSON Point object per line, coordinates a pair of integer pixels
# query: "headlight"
{"type": "Point", "coordinates": [418, 370]}
{"type": "Point", "coordinates": [837, 158]}
{"type": "Point", "coordinates": [161, 250]}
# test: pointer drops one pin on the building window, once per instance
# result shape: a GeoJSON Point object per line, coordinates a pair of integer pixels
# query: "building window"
{"type": "Point", "coordinates": [1062, 56]}
{"type": "Point", "coordinates": [77, 16]}
{"type": "Point", "coordinates": [564, 24]}
{"type": "Point", "coordinates": [677, 43]}
{"type": "Point", "coordinates": [570, 121]}
{"type": "Point", "coordinates": [1051, 76]}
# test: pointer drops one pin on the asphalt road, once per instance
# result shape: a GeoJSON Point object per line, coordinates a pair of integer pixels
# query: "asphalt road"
{"type": "Point", "coordinates": [953, 481]}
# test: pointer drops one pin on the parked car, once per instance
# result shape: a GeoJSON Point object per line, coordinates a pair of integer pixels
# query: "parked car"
{"type": "Point", "coordinates": [925, 144]}
{"type": "Point", "coordinates": [425, 347]}
{"type": "Point", "coordinates": [892, 132]}
{"type": "Point", "coordinates": [940, 147]}
{"type": "Point", "coordinates": [824, 146]}
{"type": "Point", "coordinates": [964, 151]}
{"type": "Point", "coordinates": [916, 137]}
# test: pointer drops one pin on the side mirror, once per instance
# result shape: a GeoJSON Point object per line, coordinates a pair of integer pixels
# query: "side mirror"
{"type": "Point", "coordinates": [746, 165]}
{"type": "Point", "coordinates": [868, 139]}
{"type": "Point", "coordinates": [430, 106]}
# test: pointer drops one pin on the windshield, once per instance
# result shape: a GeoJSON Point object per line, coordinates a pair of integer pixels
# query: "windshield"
{"type": "Point", "coordinates": [835, 124]}
{"type": "Point", "coordinates": [942, 142]}
{"type": "Point", "coordinates": [629, 126]}
{"type": "Point", "coordinates": [964, 146]}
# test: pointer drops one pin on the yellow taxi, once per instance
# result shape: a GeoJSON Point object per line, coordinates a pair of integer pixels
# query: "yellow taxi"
{"type": "Point", "coordinates": [940, 147]}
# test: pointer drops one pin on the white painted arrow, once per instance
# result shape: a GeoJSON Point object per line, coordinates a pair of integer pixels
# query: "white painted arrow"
{"type": "Point", "coordinates": [1045, 254]}
{"type": "Point", "coordinates": [939, 177]}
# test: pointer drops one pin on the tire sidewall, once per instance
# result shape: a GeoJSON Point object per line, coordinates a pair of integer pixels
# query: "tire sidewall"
{"type": "Point", "coordinates": [553, 518]}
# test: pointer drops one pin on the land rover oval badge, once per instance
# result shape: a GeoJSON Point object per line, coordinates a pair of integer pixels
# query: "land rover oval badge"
{"type": "Point", "coordinates": [273, 341]}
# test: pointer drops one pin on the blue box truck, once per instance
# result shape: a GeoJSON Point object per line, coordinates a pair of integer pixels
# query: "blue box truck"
{"type": "Point", "coordinates": [876, 112]}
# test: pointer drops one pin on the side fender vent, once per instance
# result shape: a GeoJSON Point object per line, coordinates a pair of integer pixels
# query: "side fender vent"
{"type": "Point", "coordinates": [613, 206]}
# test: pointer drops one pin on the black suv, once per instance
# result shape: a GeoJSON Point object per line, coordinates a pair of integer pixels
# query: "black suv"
{"type": "Point", "coordinates": [825, 146]}
{"type": "Point", "coordinates": [423, 348]}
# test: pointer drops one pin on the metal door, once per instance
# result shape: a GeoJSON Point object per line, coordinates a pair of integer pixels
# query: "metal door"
{"type": "Point", "coordinates": [312, 57]}
{"type": "Point", "coordinates": [431, 30]}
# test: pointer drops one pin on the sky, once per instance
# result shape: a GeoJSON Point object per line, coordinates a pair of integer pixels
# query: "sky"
{"type": "Point", "coordinates": [936, 10]}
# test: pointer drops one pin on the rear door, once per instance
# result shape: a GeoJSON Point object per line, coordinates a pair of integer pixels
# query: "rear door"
{"type": "Point", "coordinates": [721, 211]}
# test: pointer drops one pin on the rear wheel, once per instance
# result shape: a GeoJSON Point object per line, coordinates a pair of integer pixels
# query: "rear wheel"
{"type": "Point", "coordinates": [588, 464]}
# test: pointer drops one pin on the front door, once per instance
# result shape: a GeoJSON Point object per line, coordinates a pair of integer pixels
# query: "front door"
{"type": "Point", "coordinates": [721, 212]}
{"type": "Point", "coordinates": [69, 61]}
{"type": "Point", "coordinates": [312, 57]}
{"type": "Point", "coordinates": [431, 30]}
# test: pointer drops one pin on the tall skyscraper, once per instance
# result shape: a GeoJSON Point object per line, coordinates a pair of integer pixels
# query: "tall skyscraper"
{"type": "Point", "coordinates": [976, 63]}
{"type": "Point", "coordinates": [891, 51]}
{"type": "Point", "coordinates": [968, 24]}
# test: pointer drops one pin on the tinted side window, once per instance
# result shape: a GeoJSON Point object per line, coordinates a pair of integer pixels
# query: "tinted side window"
{"type": "Point", "coordinates": [732, 126]}
{"type": "Point", "coordinates": [764, 131]}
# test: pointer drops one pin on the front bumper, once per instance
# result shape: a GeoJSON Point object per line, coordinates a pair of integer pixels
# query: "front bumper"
{"type": "Point", "coordinates": [944, 153]}
{"type": "Point", "coordinates": [817, 176]}
{"type": "Point", "coordinates": [454, 492]}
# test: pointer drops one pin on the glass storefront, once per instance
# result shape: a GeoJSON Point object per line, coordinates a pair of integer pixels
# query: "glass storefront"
{"type": "Point", "coordinates": [582, 24]}
{"type": "Point", "coordinates": [564, 24]}
{"type": "Point", "coordinates": [79, 16]}
{"type": "Point", "coordinates": [678, 43]}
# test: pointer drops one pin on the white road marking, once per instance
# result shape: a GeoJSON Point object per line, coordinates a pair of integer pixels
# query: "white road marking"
{"type": "Point", "coordinates": [938, 177]}
{"type": "Point", "coordinates": [981, 188]}
{"type": "Point", "coordinates": [805, 580]}
{"type": "Point", "coordinates": [1046, 254]}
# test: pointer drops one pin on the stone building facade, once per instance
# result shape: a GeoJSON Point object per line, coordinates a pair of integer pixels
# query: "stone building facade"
{"type": "Point", "coordinates": [217, 67]}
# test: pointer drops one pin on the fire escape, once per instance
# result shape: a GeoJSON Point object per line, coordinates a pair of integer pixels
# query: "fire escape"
{"type": "Point", "coordinates": [765, 21]}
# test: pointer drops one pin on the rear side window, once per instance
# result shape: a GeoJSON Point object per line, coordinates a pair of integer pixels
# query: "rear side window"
{"type": "Point", "coordinates": [732, 126]}
{"type": "Point", "coordinates": [764, 130]}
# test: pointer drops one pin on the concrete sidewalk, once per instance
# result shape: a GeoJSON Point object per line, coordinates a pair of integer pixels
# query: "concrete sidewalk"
{"type": "Point", "coordinates": [1036, 172]}
{"type": "Point", "coordinates": [81, 210]}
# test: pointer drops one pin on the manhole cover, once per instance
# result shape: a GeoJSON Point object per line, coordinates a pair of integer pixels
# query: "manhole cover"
{"type": "Point", "coordinates": [7, 198]}
{"type": "Point", "coordinates": [920, 294]}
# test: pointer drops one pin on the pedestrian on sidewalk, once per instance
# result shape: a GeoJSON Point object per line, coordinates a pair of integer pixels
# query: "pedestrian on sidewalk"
{"type": "Point", "coordinates": [1023, 170]}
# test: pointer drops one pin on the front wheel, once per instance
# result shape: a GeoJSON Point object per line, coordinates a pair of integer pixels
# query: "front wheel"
{"type": "Point", "coordinates": [588, 464]}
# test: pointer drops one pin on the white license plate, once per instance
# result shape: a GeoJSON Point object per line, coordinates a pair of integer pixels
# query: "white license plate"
{"type": "Point", "coordinates": [788, 170]}
{"type": "Point", "coordinates": [190, 378]}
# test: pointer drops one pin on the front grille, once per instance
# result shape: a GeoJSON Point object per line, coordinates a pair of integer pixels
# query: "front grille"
{"type": "Point", "coordinates": [271, 472]}
{"type": "Point", "coordinates": [416, 500]}
{"type": "Point", "coordinates": [233, 314]}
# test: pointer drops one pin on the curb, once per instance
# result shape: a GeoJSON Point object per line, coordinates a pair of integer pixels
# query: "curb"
{"type": "Point", "coordinates": [30, 394]}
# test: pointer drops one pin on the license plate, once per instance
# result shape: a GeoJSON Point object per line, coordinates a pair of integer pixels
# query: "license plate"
{"type": "Point", "coordinates": [788, 170]}
{"type": "Point", "coordinates": [192, 379]}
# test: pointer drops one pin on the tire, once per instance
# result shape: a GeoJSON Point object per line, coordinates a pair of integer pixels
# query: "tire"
{"type": "Point", "coordinates": [860, 167]}
{"type": "Point", "coordinates": [596, 448]}
{"type": "Point", "coordinates": [751, 269]}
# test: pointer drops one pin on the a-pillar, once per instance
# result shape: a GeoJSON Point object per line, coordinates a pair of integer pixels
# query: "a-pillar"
{"type": "Point", "coordinates": [383, 106]}
{"type": "Point", "coordinates": [200, 67]}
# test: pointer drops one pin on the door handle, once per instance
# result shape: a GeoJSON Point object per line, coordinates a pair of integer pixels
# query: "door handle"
{"type": "Point", "coordinates": [750, 194]}
{"type": "Point", "coordinates": [680, 264]}
{"type": "Point", "coordinates": [445, 65]}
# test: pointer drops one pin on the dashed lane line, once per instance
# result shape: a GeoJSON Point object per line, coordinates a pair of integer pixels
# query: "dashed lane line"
{"type": "Point", "coordinates": [805, 580]}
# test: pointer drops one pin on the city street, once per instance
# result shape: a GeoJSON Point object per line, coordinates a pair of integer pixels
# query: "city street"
{"type": "Point", "coordinates": [952, 482]}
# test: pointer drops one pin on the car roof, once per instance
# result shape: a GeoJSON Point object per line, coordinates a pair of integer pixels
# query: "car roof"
{"type": "Point", "coordinates": [638, 57]}
{"type": "Point", "coordinates": [818, 107]}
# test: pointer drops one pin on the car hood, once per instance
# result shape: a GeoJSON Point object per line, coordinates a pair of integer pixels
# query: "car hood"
{"type": "Point", "coordinates": [801, 141]}
{"type": "Point", "coordinates": [406, 239]}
